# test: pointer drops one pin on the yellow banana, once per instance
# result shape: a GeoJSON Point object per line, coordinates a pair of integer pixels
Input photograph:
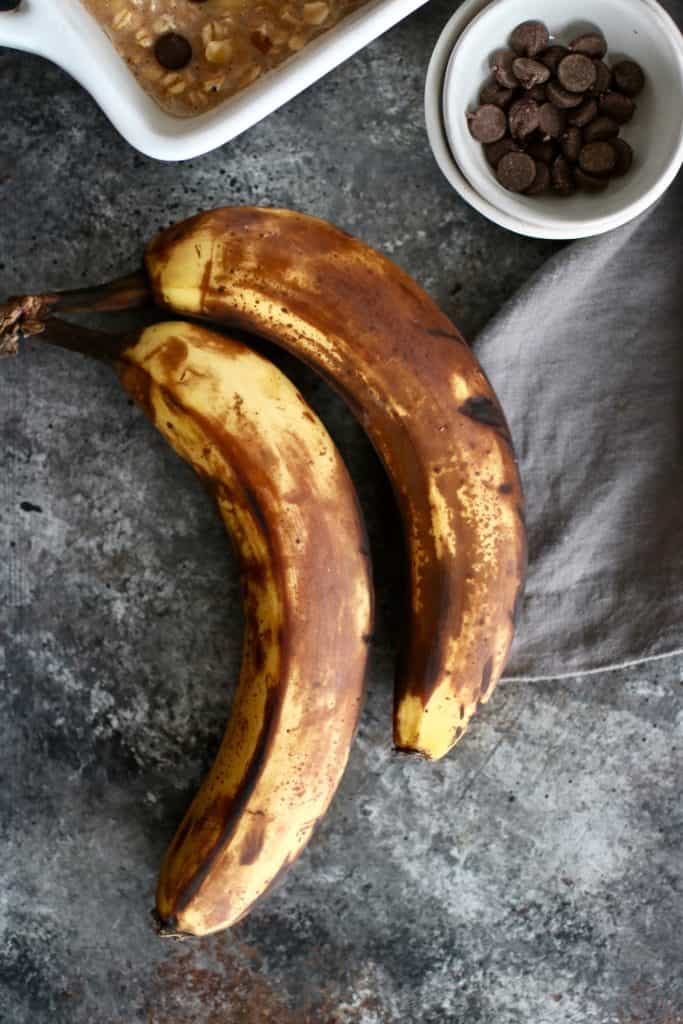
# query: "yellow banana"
{"type": "Point", "coordinates": [428, 408]}
{"type": "Point", "coordinates": [424, 401]}
{"type": "Point", "coordinates": [290, 508]}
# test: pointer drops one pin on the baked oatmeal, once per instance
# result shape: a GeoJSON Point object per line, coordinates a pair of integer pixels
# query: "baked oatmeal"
{"type": "Point", "coordinates": [191, 55]}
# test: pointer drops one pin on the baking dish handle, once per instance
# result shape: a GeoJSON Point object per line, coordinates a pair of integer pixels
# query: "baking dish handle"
{"type": "Point", "coordinates": [34, 26]}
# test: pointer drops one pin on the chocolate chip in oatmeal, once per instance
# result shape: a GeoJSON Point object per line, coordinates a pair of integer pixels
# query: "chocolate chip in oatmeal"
{"type": "Point", "coordinates": [516, 171]}
{"type": "Point", "coordinates": [529, 38]}
{"type": "Point", "coordinates": [487, 124]}
{"type": "Point", "coordinates": [576, 72]}
{"type": "Point", "coordinates": [172, 51]}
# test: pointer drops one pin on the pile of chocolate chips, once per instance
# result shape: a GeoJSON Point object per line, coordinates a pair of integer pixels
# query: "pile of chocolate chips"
{"type": "Point", "coordinates": [550, 116]}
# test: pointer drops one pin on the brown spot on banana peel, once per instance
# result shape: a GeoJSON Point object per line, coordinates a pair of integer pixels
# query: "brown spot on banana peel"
{"type": "Point", "coordinates": [252, 844]}
{"type": "Point", "coordinates": [486, 410]}
{"type": "Point", "coordinates": [436, 332]}
{"type": "Point", "coordinates": [375, 335]}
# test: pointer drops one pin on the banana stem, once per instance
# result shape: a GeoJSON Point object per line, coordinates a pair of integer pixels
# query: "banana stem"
{"type": "Point", "coordinates": [129, 292]}
{"type": "Point", "coordinates": [85, 340]}
{"type": "Point", "coordinates": [26, 315]}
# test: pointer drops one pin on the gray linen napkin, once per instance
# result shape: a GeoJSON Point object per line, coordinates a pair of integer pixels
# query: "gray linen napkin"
{"type": "Point", "coordinates": [587, 360]}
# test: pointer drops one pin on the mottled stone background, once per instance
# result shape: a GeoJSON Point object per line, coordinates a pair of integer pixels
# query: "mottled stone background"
{"type": "Point", "coordinates": [533, 877]}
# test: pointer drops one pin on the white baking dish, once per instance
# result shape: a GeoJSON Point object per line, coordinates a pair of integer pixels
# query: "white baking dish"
{"type": "Point", "coordinates": [64, 32]}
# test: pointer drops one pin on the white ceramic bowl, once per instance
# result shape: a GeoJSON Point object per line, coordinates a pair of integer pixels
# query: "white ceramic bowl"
{"type": "Point", "coordinates": [436, 132]}
{"type": "Point", "coordinates": [637, 28]}
{"type": "Point", "coordinates": [64, 32]}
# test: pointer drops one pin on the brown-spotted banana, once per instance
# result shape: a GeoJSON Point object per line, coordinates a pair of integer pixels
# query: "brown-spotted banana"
{"type": "Point", "coordinates": [291, 511]}
{"type": "Point", "coordinates": [425, 402]}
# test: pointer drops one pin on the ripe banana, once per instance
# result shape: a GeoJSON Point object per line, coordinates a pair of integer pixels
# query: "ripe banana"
{"type": "Point", "coordinates": [290, 508]}
{"type": "Point", "coordinates": [425, 402]}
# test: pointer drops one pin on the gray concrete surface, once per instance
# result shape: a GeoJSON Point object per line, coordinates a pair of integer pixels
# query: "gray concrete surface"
{"type": "Point", "coordinates": [533, 877]}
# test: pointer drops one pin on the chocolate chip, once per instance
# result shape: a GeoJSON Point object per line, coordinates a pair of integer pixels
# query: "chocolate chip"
{"type": "Point", "coordinates": [543, 152]}
{"type": "Point", "coordinates": [487, 124]}
{"type": "Point", "coordinates": [552, 56]}
{"type": "Point", "coordinates": [495, 151]}
{"type": "Point", "coordinates": [502, 68]}
{"type": "Point", "coordinates": [588, 182]}
{"type": "Point", "coordinates": [576, 72]}
{"type": "Point", "coordinates": [530, 72]}
{"type": "Point", "coordinates": [571, 143]}
{"type": "Point", "coordinates": [516, 171]}
{"type": "Point", "coordinates": [551, 121]}
{"type": "Point", "coordinates": [173, 51]}
{"type": "Point", "coordinates": [261, 41]}
{"type": "Point", "coordinates": [496, 94]}
{"type": "Point", "coordinates": [537, 93]}
{"type": "Point", "coordinates": [624, 157]}
{"type": "Point", "coordinates": [600, 129]}
{"type": "Point", "coordinates": [560, 97]}
{"type": "Point", "coordinates": [550, 116]}
{"type": "Point", "coordinates": [592, 44]}
{"type": "Point", "coordinates": [628, 77]}
{"type": "Point", "coordinates": [603, 78]}
{"type": "Point", "coordinates": [529, 38]}
{"type": "Point", "coordinates": [561, 177]}
{"type": "Point", "coordinates": [617, 106]}
{"type": "Point", "coordinates": [541, 182]}
{"type": "Point", "coordinates": [582, 115]}
{"type": "Point", "coordinates": [597, 158]}
{"type": "Point", "coordinates": [523, 117]}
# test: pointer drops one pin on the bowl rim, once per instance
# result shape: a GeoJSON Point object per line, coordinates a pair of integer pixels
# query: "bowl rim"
{"type": "Point", "coordinates": [445, 159]}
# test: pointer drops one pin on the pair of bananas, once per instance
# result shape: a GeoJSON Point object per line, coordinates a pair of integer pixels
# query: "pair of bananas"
{"type": "Point", "coordinates": [290, 508]}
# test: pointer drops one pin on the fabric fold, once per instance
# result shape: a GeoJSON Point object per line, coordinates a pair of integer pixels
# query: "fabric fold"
{"type": "Point", "coordinates": [587, 361]}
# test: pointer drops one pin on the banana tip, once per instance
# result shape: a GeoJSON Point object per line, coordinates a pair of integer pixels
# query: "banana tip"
{"type": "Point", "coordinates": [167, 927]}
{"type": "Point", "coordinates": [411, 752]}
